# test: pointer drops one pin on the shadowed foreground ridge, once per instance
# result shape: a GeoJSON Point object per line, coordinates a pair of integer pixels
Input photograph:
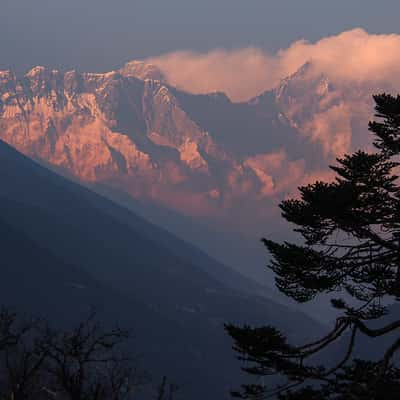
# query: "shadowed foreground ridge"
{"type": "Point", "coordinates": [67, 250]}
{"type": "Point", "coordinates": [351, 232]}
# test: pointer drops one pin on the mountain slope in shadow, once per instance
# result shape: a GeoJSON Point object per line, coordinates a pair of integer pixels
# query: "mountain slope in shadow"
{"type": "Point", "coordinates": [67, 250]}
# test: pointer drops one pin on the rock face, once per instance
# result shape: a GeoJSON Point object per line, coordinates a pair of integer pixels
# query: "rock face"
{"type": "Point", "coordinates": [332, 114]}
{"type": "Point", "coordinates": [143, 70]}
{"type": "Point", "coordinates": [200, 154]}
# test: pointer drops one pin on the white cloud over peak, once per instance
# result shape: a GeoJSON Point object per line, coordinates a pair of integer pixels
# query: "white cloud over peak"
{"type": "Point", "coordinates": [351, 56]}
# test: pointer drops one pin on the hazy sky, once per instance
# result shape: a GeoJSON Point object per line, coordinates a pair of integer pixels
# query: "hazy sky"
{"type": "Point", "coordinates": [99, 35]}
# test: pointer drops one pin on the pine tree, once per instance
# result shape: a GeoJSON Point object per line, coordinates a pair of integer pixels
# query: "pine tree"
{"type": "Point", "coordinates": [351, 244]}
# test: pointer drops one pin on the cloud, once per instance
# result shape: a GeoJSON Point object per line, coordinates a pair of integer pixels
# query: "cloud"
{"type": "Point", "coordinates": [354, 55]}
{"type": "Point", "coordinates": [241, 74]}
{"type": "Point", "coordinates": [331, 113]}
{"type": "Point", "coordinates": [332, 129]}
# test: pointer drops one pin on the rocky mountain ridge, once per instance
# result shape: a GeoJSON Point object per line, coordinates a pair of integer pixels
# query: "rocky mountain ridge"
{"type": "Point", "coordinates": [202, 155]}
{"type": "Point", "coordinates": [132, 133]}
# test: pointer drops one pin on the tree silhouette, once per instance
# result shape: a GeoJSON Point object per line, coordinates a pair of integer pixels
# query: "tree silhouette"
{"type": "Point", "coordinates": [351, 244]}
{"type": "Point", "coordinates": [166, 390]}
{"type": "Point", "coordinates": [82, 363]}
{"type": "Point", "coordinates": [22, 357]}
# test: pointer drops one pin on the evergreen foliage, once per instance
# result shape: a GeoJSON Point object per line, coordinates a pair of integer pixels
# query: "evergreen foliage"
{"type": "Point", "coordinates": [351, 244]}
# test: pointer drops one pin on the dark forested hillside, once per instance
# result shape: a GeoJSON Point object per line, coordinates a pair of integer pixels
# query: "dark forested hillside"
{"type": "Point", "coordinates": [66, 250]}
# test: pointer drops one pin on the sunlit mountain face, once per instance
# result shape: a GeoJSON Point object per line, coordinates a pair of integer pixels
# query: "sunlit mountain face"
{"type": "Point", "coordinates": [201, 155]}
{"type": "Point", "coordinates": [225, 160]}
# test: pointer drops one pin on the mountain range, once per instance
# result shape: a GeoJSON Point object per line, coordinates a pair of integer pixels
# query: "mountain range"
{"type": "Point", "coordinates": [209, 170]}
{"type": "Point", "coordinates": [176, 186]}
{"type": "Point", "coordinates": [200, 154]}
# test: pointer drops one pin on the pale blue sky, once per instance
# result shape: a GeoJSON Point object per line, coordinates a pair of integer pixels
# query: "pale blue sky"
{"type": "Point", "coordinates": [102, 34]}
